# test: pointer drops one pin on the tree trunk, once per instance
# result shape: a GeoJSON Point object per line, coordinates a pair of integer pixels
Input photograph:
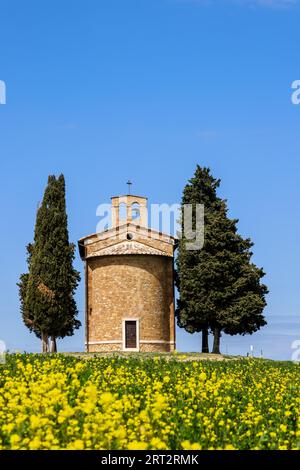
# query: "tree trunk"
{"type": "Point", "coordinates": [45, 343]}
{"type": "Point", "coordinates": [205, 348]}
{"type": "Point", "coordinates": [53, 348]}
{"type": "Point", "coordinates": [217, 336]}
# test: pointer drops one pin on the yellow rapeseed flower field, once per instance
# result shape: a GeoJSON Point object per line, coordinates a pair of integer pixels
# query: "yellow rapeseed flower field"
{"type": "Point", "coordinates": [58, 402]}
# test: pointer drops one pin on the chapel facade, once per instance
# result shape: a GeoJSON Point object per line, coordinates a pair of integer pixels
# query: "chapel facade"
{"type": "Point", "coordinates": [129, 282]}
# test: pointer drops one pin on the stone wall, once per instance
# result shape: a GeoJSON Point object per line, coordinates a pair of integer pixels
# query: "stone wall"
{"type": "Point", "coordinates": [130, 287]}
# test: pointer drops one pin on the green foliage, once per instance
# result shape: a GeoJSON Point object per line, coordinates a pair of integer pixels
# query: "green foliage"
{"type": "Point", "coordinates": [47, 290]}
{"type": "Point", "coordinates": [219, 286]}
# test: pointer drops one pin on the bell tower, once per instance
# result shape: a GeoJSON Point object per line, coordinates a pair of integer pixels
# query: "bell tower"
{"type": "Point", "coordinates": [129, 209]}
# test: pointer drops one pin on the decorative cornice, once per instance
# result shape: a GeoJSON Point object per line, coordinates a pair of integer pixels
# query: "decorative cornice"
{"type": "Point", "coordinates": [128, 248]}
{"type": "Point", "coordinates": [113, 231]}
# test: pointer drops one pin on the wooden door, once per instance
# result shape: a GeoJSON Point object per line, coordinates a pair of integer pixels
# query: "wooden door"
{"type": "Point", "coordinates": [130, 334]}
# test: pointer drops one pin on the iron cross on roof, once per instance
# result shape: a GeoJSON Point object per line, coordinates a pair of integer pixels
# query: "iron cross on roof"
{"type": "Point", "coordinates": [129, 183]}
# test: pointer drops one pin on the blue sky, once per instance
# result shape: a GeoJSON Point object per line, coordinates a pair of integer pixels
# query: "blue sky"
{"type": "Point", "coordinates": [111, 90]}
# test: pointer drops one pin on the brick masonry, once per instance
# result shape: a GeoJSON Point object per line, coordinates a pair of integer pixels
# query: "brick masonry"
{"type": "Point", "coordinates": [131, 286]}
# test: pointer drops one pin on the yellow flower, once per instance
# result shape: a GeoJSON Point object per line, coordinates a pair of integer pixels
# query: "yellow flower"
{"type": "Point", "coordinates": [78, 444]}
{"type": "Point", "coordinates": [88, 407]}
{"type": "Point", "coordinates": [130, 404]}
{"type": "Point", "coordinates": [157, 443]}
{"type": "Point", "coordinates": [106, 398]}
{"type": "Point", "coordinates": [186, 445]}
{"type": "Point", "coordinates": [35, 444]}
{"type": "Point", "coordinates": [135, 445]}
{"type": "Point", "coordinates": [196, 446]}
{"type": "Point", "coordinates": [144, 415]}
{"type": "Point", "coordinates": [160, 401]}
{"type": "Point", "coordinates": [14, 439]}
{"type": "Point", "coordinates": [35, 421]}
{"type": "Point", "coordinates": [202, 376]}
{"type": "Point", "coordinates": [120, 433]}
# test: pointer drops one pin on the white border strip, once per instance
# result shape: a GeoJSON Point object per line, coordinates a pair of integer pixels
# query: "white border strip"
{"type": "Point", "coordinates": [159, 341]}
{"type": "Point", "coordinates": [113, 341]}
{"type": "Point", "coordinates": [119, 341]}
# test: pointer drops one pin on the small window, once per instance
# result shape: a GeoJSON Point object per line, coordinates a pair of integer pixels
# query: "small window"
{"type": "Point", "coordinates": [122, 211]}
{"type": "Point", "coordinates": [135, 211]}
{"type": "Point", "coordinates": [129, 236]}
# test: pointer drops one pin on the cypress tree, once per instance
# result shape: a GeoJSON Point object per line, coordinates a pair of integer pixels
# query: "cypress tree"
{"type": "Point", "coordinates": [47, 290]}
{"type": "Point", "coordinates": [26, 315]}
{"type": "Point", "coordinates": [201, 189]}
{"type": "Point", "coordinates": [220, 289]}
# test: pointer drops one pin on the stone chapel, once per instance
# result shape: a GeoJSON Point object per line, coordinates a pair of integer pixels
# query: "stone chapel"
{"type": "Point", "coordinates": [129, 282]}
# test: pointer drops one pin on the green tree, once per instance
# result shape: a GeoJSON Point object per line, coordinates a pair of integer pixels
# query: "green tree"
{"type": "Point", "coordinates": [220, 289]}
{"type": "Point", "coordinates": [47, 290]}
{"type": "Point", "coordinates": [201, 189]}
{"type": "Point", "coordinates": [26, 315]}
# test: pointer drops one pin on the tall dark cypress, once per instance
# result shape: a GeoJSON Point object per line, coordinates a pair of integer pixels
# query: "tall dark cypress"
{"type": "Point", "coordinates": [220, 289]}
{"type": "Point", "coordinates": [47, 291]}
{"type": "Point", "coordinates": [201, 189]}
